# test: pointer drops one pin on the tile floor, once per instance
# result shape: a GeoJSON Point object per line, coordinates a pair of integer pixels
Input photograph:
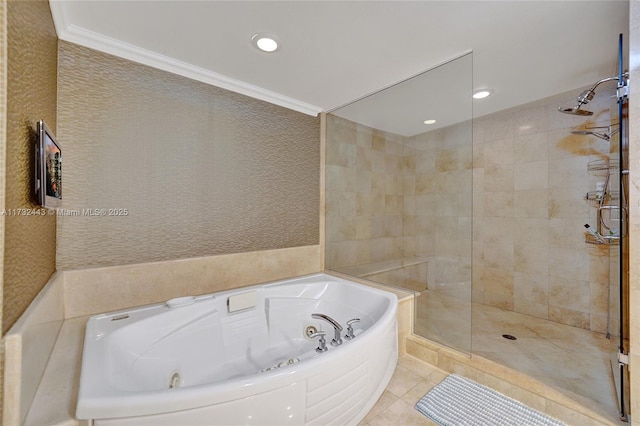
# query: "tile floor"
{"type": "Point", "coordinates": [572, 360]}
{"type": "Point", "coordinates": [411, 380]}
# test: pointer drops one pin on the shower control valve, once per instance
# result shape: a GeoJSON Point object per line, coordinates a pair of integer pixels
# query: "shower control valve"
{"type": "Point", "coordinates": [350, 334]}
{"type": "Point", "coordinates": [322, 343]}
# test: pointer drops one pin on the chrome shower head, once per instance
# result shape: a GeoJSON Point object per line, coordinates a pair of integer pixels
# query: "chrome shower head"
{"type": "Point", "coordinates": [586, 96]}
{"type": "Point", "coordinates": [575, 110]}
{"type": "Point", "coordinates": [604, 136]}
{"type": "Point", "coordinates": [584, 99]}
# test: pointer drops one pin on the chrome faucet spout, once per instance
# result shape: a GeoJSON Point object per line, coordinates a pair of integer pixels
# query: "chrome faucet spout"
{"type": "Point", "coordinates": [337, 340]}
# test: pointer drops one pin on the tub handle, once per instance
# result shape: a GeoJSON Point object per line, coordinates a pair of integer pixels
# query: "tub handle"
{"type": "Point", "coordinates": [322, 343]}
{"type": "Point", "coordinates": [350, 334]}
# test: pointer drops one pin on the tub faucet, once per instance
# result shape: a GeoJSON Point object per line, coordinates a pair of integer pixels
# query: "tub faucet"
{"type": "Point", "coordinates": [337, 340]}
{"type": "Point", "coordinates": [322, 344]}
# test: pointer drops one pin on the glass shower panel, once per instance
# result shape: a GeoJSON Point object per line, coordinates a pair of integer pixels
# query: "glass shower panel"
{"type": "Point", "coordinates": [399, 195]}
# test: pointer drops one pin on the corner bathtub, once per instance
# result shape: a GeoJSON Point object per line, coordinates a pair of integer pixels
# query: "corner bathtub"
{"type": "Point", "coordinates": [241, 357]}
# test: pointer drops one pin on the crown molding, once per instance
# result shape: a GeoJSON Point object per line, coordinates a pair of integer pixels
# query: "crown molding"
{"type": "Point", "coordinates": [81, 36]}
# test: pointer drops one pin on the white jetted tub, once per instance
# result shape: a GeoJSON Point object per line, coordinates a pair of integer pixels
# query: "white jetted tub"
{"type": "Point", "coordinates": [242, 357]}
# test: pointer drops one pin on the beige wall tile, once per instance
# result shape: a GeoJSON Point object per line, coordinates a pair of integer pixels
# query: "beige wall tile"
{"type": "Point", "coordinates": [530, 147]}
{"type": "Point", "coordinates": [498, 256]}
{"type": "Point", "coordinates": [93, 291]}
{"type": "Point", "coordinates": [531, 120]}
{"type": "Point", "coordinates": [498, 204]}
{"type": "Point", "coordinates": [570, 264]}
{"type": "Point", "coordinates": [499, 300]}
{"type": "Point", "coordinates": [530, 261]}
{"type": "Point", "coordinates": [531, 203]}
{"type": "Point", "coordinates": [498, 177]}
{"type": "Point", "coordinates": [498, 152]}
{"type": "Point", "coordinates": [531, 287]}
{"type": "Point", "coordinates": [531, 232]}
{"type": "Point", "coordinates": [570, 293]}
{"type": "Point", "coordinates": [566, 233]}
{"type": "Point", "coordinates": [531, 175]}
{"type": "Point", "coordinates": [569, 317]}
{"type": "Point", "coordinates": [569, 173]}
{"type": "Point", "coordinates": [524, 306]}
{"type": "Point", "coordinates": [567, 203]}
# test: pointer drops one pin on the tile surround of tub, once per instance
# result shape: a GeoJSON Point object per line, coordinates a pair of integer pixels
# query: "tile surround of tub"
{"type": "Point", "coordinates": [28, 345]}
{"type": "Point", "coordinates": [91, 291]}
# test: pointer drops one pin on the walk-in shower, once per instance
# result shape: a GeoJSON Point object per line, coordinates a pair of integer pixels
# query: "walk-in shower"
{"type": "Point", "coordinates": [483, 218]}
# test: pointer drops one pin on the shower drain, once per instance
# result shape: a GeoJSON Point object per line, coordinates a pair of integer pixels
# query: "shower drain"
{"type": "Point", "coordinates": [509, 337]}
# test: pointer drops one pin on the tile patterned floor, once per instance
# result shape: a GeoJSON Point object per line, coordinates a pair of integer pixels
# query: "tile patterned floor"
{"type": "Point", "coordinates": [570, 359]}
{"type": "Point", "coordinates": [411, 380]}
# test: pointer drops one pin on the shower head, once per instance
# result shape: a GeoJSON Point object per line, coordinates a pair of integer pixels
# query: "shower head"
{"type": "Point", "coordinates": [604, 136]}
{"type": "Point", "coordinates": [586, 96]}
{"type": "Point", "coordinates": [584, 99]}
{"type": "Point", "coordinates": [575, 110]}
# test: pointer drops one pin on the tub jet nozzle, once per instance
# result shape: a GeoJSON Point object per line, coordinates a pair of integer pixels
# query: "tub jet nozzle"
{"type": "Point", "coordinates": [174, 381]}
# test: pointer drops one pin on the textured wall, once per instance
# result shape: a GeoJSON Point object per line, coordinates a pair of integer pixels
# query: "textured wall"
{"type": "Point", "coordinates": [200, 170]}
{"type": "Point", "coordinates": [3, 145]}
{"type": "Point", "coordinates": [30, 241]}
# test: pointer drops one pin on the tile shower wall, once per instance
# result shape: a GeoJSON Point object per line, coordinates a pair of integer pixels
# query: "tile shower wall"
{"type": "Point", "coordinates": [364, 195]}
{"type": "Point", "coordinates": [527, 209]}
{"type": "Point", "coordinates": [200, 170]}
{"type": "Point", "coordinates": [530, 177]}
{"type": "Point", "coordinates": [437, 206]}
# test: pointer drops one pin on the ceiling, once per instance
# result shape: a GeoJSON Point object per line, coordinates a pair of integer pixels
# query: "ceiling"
{"type": "Point", "coordinates": [333, 52]}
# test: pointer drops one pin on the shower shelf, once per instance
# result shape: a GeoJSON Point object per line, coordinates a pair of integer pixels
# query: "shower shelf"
{"type": "Point", "coordinates": [602, 240]}
{"type": "Point", "coordinates": [602, 167]}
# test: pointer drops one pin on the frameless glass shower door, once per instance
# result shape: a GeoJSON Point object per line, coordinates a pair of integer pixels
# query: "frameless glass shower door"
{"type": "Point", "coordinates": [399, 195]}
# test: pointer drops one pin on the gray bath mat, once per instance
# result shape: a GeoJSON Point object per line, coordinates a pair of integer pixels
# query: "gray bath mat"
{"type": "Point", "coordinates": [457, 401]}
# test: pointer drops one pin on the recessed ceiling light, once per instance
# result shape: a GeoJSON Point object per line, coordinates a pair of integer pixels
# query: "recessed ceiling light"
{"type": "Point", "coordinates": [430, 121]}
{"type": "Point", "coordinates": [481, 93]}
{"type": "Point", "coordinates": [265, 42]}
